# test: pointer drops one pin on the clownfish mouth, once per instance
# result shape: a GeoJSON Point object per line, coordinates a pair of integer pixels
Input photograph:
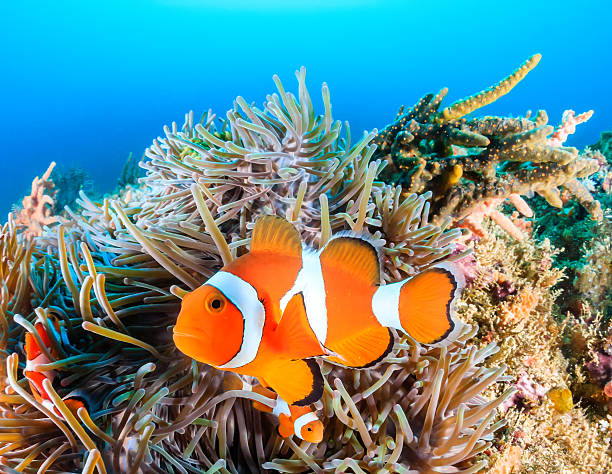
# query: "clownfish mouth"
{"type": "Point", "coordinates": [186, 343]}
{"type": "Point", "coordinates": [183, 334]}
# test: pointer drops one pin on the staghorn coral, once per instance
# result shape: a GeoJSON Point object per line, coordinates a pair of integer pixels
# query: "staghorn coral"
{"type": "Point", "coordinates": [468, 163]}
{"type": "Point", "coordinates": [114, 273]}
{"type": "Point", "coordinates": [37, 209]}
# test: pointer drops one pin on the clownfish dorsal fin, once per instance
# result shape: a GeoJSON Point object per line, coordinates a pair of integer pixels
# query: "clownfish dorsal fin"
{"type": "Point", "coordinates": [294, 333]}
{"type": "Point", "coordinates": [275, 234]}
{"type": "Point", "coordinates": [298, 382]}
{"type": "Point", "coordinates": [355, 255]}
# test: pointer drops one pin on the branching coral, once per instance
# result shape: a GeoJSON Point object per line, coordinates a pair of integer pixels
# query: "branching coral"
{"type": "Point", "coordinates": [37, 209]}
{"type": "Point", "coordinates": [568, 126]}
{"type": "Point", "coordinates": [470, 162]}
{"type": "Point", "coordinates": [122, 264]}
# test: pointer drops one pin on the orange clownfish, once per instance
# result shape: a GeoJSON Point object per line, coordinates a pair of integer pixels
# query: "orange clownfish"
{"type": "Point", "coordinates": [293, 420]}
{"type": "Point", "coordinates": [269, 312]}
{"type": "Point", "coordinates": [35, 356]}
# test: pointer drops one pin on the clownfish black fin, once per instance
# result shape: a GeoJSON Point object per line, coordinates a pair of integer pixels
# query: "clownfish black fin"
{"type": "Point", "coordinates": [354, 254]}
{"type": "Point", "coordinates": [298, 382]}
{"type": "Point", "coordinates": [275, 234]}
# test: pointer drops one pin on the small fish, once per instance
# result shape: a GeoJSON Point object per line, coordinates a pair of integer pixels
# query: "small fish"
{"type": "Point", "coordinates": [35, 356]}
{"type": "Point", "coordinates": [293, 420]}
{"type": "Point", "coordinates": [272, 311]}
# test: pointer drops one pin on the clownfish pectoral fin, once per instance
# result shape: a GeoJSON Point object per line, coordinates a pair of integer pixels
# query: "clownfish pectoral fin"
{"type": "Point", "coordinates": [298, 382]}
{"type": "Point", "coordinates": [427, 303]}
{"type": "Point", "coordinates": [364, 348]}
{"type": "Point", "coordinates": [355, 255]}
{"type": "Point", "coordinates": [285, 427]}
{"type": "Point", "coordinates": [263, 391]}
{"type": "Point", "coordinates": [79, 398]}
{"type": "Point", "coordinates": [275, 234]}
{"type": "Point", "coordinates": [73, 405]}
{"type": "Point", "coordinates": [231, 381]}
{"type": "Point", "coordinates": [293, 335]}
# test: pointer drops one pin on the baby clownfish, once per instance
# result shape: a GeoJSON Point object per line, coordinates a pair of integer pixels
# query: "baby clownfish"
{"type": "Point", "coordinates": [293, 420]}
{"type": "Point", "coordinates": [269, 312]}
{"type": "Point", "coordinates": [35, 356]}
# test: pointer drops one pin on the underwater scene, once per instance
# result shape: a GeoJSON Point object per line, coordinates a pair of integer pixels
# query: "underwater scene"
{"type": "Point", "coordinates": [214, 262]}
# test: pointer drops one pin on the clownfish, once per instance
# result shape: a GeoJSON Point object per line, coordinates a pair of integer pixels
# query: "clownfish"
{"type": "Point", "coordinates": [35, 356]}
{"type": "Point", "coordinates": [271, 311]}
{"type": "Point", "coordinates": [293, 420]}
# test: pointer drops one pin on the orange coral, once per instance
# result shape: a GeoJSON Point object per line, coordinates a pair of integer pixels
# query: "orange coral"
{"type": "Point", "coordinates": [37, 208]}
{"type": "Point", "coordinates": [509, 461]}
{"type": "Point", "coordinates": [520, 307]}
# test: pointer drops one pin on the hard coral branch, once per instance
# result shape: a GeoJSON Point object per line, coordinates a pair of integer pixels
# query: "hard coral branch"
{"type": "Point", "coordinates": [468, 163]}
{"type": "Point", "coordinates": [468, 105]}
{"type": "Point", "coordinates": [568, 126]}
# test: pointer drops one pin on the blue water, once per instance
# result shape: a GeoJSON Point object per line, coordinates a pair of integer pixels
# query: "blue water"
{"type": "Point", "coordinates": [85, 83]}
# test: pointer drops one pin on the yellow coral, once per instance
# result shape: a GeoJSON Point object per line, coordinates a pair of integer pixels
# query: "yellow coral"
{"type": "Point", "coordinates": [490, 95]}
{"type": "Point", "coordinates": [561, 399]}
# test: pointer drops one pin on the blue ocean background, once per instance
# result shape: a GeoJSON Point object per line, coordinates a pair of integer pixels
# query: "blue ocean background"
{"type": "Point", "coordinates": [85, 83]}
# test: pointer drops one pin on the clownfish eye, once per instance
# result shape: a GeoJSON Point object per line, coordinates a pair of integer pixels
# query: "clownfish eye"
{"type": "Point", "coordinates": [309, 429]}
{"type": "Point", "coordinates": [215, 303]}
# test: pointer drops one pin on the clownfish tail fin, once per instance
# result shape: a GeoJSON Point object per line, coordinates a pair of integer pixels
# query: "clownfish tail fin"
{"type": "Point", "coordinates": [422, 306]}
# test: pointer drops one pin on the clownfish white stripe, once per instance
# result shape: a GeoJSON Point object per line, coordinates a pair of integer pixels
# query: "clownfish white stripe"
{"type": "Point", "coordinates": [40, 359]}
{"type": "Point", "coordinates": [385, 305]}
{"type": "Point", "coordinates": [303, 421]}
{"type": "Point", "coordinates": [281, 408]}
{"type": "Point", "coordinates": [310, 282]}
{"type": "Point", "coordinates": [244, 297]}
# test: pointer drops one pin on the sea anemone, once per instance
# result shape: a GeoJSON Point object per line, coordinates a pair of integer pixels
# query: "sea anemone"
{"type": "Point", "coordinates": [124, 263]}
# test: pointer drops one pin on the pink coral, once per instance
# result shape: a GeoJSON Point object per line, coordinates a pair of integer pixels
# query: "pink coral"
{"type": "Point", "coordinates": [528, 392]}
{"type": "Point", "coordinates": [568, 126]}
{"type": "Point", "coordinates": [489, 208]}
{"type": "Point", "coordinates": [37, 208]}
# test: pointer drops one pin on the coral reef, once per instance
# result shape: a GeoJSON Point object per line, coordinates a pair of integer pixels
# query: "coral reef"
{"type": "Point", "coordinates": [36, 210]}
{"type": "Point", "coordinates": [552, 427]}
{"type": "Point", "coordinates": [113, 274]}
{"type": "Point", "coordinates": [593, 281]}
{"type": "Point", "coordinates": [521, 388]}
{"type": "Point", "coordinates": [472, 164]}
